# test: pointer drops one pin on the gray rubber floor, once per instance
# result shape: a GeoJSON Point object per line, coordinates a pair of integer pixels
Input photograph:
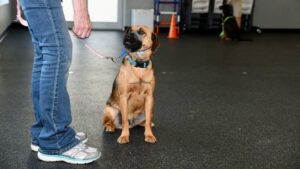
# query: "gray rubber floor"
{"type": "Point", "coordinates": [218, 105]}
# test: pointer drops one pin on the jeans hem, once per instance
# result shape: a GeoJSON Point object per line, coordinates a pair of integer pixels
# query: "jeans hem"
{"type": "Point", "coordinates": [58, 152]}
{"type": "Point", "coordinates": [34, 142]}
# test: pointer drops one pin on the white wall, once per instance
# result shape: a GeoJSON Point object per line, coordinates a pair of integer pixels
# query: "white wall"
{"type": "Point", "coordinates": [5, 17]}
{"type": "Point", "coordinates": [135, 4]}
{"type": "Point", "coordinates": [277, 14]}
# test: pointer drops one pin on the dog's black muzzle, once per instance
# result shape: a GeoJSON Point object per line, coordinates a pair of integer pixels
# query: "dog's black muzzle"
{"type": "Point", "coordinates": [133, 41]}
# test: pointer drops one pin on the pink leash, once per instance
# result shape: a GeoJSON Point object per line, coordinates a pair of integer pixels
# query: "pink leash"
{"type": "Point", "coordinates": [98, 54]}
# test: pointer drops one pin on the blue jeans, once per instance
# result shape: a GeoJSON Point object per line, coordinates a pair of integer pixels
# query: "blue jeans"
{"type": "Point", "coordinates": [52, 59]}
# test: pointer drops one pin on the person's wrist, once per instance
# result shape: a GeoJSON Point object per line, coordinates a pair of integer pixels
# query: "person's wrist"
{"type": "Point", "coordinates": [79, 4]}
{"type": "Point", "coordinates": [81, 10]}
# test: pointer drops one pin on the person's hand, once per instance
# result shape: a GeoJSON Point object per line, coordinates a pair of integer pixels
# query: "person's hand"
{"type": "Point", "coordinates": [82, 23]}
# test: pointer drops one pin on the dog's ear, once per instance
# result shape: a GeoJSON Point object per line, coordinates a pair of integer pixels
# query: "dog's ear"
{"type": "Point", "coordinates": [128, 29]}
{"type": "Point", "coordinates": [155, 42]}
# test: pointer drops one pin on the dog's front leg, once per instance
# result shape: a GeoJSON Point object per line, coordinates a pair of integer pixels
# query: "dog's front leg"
{"type": "Point", "coordinates": [124, 138]}
{"type": "Point", "coordinates": [149, 137]}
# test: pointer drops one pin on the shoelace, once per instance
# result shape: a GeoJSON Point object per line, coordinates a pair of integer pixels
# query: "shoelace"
{"type": "Point", "coordinates": [82, 146]}
{"type": "Point", "coordinates": [79, 149]}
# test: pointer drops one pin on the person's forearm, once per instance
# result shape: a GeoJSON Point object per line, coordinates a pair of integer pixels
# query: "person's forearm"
{"type": "Point", "coordinates": [82, 23]}
{"type": "Point", "coordinates": [80, 5]}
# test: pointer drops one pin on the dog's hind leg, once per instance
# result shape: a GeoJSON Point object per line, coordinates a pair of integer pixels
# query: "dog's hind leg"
{"type": "Point", "coordinates": [109, 117]}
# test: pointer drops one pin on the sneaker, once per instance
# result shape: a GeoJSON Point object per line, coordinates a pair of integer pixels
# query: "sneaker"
{"type": "Point", "coordinates": [80, 154]}
{"type": "Point", "coordinates": [81, 136]}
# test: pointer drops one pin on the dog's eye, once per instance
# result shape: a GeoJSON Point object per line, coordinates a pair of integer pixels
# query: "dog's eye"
{"type": "Point", "coordinates": [141, 32]}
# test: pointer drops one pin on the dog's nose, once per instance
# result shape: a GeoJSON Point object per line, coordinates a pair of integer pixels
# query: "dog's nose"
{"type": "Point", "coordinates": [132, 41]}
{"type": "Point", "coordinates": [132, 36]}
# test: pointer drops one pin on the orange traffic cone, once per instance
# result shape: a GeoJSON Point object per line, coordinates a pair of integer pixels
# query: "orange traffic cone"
{"type": "Point", "coordinates": [173, 29]}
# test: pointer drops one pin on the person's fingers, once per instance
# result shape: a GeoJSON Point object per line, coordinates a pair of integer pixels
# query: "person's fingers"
{"type": "Point", "coordinates": [74, 29]}
{"type": "Point", "coordinates": [82, 27]}
{"type": "Point", "coordinates": [89, 32]}
{"type": "Point", "coordinates": [79, 31]}
{"type": "Point", "coordinates": [83, 34]}
{"type": "Point", "coordinates": [89, 29]}
{"type": "Point", "coordinates": [85, 31]}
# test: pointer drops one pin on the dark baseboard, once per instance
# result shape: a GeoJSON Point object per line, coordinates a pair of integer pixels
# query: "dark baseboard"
{"type": "Point", "coordinates": [281, 30]}
{"type": "Point", "coordinates": [12, 25]}
{"type": "Point", "coordinates": [4, 34]}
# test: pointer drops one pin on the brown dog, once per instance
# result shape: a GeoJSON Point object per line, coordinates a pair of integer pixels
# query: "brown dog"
{"type": "Point", "coordinates": [131, 100]}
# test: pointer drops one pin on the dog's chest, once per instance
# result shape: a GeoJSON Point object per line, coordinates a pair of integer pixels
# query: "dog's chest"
{"type": "Point", "coordinates": [140, 82]}
{"type": "Point", "coordinates": [139, 88]}
{"type": "Point", "coordinates": [140, 76]}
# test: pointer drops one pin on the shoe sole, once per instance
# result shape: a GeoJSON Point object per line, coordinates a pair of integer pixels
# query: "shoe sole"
{"type": "Point", "coordinates": [56, 158]}
{"type": "Point", "coordinates": [35, 148]}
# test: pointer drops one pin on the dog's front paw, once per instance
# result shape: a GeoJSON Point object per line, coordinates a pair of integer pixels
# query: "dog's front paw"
{"type": "Point", "coordinates": [150, 139]}
{"type": "Point", "coordinates": [123, 139]}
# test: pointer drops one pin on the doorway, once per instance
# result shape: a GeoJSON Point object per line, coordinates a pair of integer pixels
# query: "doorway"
{"type": "Point", "coordinates": [104, 14]}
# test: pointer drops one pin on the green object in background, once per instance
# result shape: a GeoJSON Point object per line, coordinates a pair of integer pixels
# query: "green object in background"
{"type": "Point", "coordinates": [222, 34]}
